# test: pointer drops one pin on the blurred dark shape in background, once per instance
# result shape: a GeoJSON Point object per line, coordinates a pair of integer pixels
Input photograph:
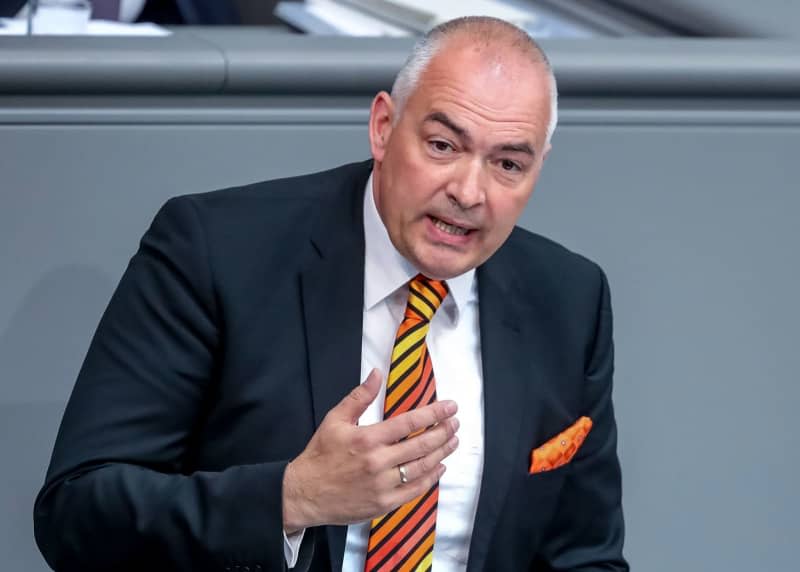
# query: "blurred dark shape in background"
{"type": "Point", "coordinates": [208, 12]}
{"type": "Point", "coordinates": [189, 12]}
{"type": "Point", "coordinates": [9, 8]}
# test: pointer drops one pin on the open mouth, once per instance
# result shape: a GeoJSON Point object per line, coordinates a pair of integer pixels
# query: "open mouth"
{"type": "Point", "coordinates": [449, 228]}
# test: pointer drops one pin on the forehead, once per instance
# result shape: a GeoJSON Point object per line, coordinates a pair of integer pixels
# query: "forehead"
{"type": "Point", "coordinates": [495, 92]}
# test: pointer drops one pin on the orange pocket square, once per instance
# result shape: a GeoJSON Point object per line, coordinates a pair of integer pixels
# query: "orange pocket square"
{"type": "Point", "coordinates": [560, 449]}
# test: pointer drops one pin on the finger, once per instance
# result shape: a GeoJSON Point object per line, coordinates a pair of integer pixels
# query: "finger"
{"type": "Point", "coordinates": [418, 487]}
{"type": "Point", "coordinates": [356, 402]}
{"type": "Point", "coordinates": [392, 430]}
{"type": "Point", "coordinates": [423, 444]}
{"type": "Point", "coordinates": [424, 465]}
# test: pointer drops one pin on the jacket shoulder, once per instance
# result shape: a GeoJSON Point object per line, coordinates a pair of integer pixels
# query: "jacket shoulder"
{"type": "Point", "coordinates": [311, 187]}
{"type": "Point", "coordinates": [266, 207]}
{"type": "Point", "coordinates": [544, 254]}
{"type": "Point", "coordinates": [553, 272]}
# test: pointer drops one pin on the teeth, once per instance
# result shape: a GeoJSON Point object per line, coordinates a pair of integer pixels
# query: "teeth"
{"type": "Point", "coordinates": [449, 228]}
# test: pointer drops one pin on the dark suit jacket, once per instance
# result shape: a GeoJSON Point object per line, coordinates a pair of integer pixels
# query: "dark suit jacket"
{"type": "Point", "coordinates": [237, 326]}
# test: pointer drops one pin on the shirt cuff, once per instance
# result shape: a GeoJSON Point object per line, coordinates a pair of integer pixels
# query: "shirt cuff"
{"type": "Point", "coordinates": [291, 546]}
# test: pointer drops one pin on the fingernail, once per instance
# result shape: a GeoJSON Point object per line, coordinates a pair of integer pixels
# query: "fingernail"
{"type": "Point", "coordinates": [450, 407]}
{"type": "Point", "coordinates": [442, 469]}
{"type": "Point", "coordinates": [455, 424]}
{"type": "Point", "coordinates": [453, 442]}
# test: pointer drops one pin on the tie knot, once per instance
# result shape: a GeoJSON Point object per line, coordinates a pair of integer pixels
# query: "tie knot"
{"type": "Point", "coordinates": [425, 295]}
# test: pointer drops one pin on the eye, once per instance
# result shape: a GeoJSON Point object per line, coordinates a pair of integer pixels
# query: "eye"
{"type": "Point", "coordinates": [509, 165]}
{"type": "Point", "coordinates": [440, 146]}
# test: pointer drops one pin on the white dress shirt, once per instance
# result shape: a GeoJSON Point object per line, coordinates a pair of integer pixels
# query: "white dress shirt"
{"type": "Point", "coordinates": [454, 345]}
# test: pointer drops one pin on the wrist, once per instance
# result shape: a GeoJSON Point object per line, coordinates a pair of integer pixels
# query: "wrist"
{"type": "Point", "coordinates": [295, 509]}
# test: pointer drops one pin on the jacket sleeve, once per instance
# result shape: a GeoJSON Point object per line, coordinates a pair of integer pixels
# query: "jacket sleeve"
{"type": "Point", "coordinates": [587, 531]}
{"type": "Point", "coordinates": [118, 495]}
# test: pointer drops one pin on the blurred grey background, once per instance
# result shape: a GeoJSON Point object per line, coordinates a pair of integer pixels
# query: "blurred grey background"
{"type": "Point", "coordinates": [674, 167]}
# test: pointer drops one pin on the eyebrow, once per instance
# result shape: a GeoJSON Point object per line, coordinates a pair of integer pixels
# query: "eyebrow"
{"type": "Point", "coordinates": [517, 148]}
{"type": "Point", "coordinates": [440, 117]}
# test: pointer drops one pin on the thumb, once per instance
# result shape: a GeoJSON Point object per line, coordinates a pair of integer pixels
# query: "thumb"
{"type": "Point", "coordinates": [356, 402]}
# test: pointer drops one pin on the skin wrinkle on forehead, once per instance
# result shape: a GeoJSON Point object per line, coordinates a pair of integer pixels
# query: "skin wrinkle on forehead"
{"type": "Point", "coordinates": [466, 137]}
{"type": "Point", "coordinates": [498, 72]}
{"type": "Point", "coordinates": [440, 83]}
{"type": "Point", "coordinates": [494, 72]}
{"type": "Point", "coordinates": [451, 98]}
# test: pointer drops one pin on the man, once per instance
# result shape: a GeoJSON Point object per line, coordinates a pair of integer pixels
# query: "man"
{"type": "Point", "coordinates": [218, 423]}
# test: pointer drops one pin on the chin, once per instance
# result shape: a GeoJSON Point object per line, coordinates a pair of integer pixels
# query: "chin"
{"type": "Point", "coordinates": [440, 263]}
{"type": "Point", "coordinates": [440, 270]}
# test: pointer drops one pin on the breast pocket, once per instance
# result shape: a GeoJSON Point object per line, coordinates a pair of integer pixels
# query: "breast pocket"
{"type": "Point", "coordinates": [546, 482]}
{"type": "Point", "coordinates": [536, 495]}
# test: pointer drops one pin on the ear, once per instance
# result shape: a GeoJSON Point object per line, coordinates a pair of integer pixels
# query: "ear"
{"type": "Point", "coordinates": [547, 148]}
{"type": "Point", "coordinates": [381, 116]}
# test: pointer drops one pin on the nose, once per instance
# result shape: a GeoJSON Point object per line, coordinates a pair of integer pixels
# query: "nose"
{"type": "Point", "coordinates": [468, 188]}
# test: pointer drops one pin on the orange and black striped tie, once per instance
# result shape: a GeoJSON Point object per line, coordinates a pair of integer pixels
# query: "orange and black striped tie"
{"type": "Point", "coordinates": [402, 540]}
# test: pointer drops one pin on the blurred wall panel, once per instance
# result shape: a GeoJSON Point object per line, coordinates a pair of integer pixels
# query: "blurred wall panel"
{"type": "Point", "coordinates": [764, 19]}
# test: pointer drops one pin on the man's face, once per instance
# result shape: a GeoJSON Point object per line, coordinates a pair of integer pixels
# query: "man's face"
{"type": "Point", "coordinates": [453, 175]}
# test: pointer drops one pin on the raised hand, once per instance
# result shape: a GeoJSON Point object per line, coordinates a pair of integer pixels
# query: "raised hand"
{"type": "Point", "coordinates": [348, 473]}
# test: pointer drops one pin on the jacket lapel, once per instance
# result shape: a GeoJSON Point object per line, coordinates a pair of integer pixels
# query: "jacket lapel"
{"type": "Point", "coordinates": [506, 356]}
{"type": "Point", "coordinates": [332, 287]}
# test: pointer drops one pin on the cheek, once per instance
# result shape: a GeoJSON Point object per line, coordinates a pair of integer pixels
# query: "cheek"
{"type": "Point", "coordinates": [415, 198]}
{"type": "Point", "coordinates": [505, 213]}
{"type": "Point", "coordinates": [405, 210]}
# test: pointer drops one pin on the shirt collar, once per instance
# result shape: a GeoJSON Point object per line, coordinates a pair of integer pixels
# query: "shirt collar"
{"type": "Point", "coordinates": [386, 270]}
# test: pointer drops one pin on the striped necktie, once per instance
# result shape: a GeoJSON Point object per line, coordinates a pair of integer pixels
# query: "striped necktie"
{"type": "Point", "coordinates": [402, 540]}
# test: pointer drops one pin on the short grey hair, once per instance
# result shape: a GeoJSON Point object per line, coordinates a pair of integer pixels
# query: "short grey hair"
{"type": "Point", "coordinates": [485, 29]}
